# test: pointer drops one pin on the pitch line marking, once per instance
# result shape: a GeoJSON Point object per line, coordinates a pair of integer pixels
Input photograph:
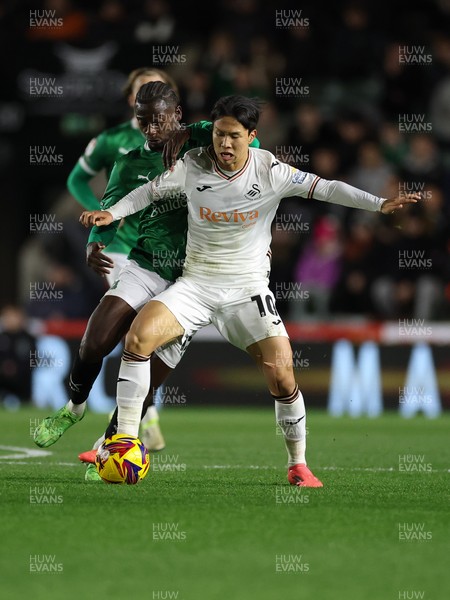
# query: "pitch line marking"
{"type": "Point", "coordinates": [369, 469]}
{"type": "Point", "coordinates": [24, 452]}
{"type": "Point", "coordinates": [36, 453]}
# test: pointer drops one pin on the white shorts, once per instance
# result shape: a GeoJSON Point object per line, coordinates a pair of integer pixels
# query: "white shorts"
{"type": "Point", "coordinates": [120, 261]}
{"type": "Point", "coordinates": [136, 286]}
{"type": "Point", "coordinates": [242, 315]}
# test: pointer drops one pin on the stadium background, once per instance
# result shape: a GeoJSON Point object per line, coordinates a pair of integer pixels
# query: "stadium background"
{"type": "Point", "coordinates": [357, 91]}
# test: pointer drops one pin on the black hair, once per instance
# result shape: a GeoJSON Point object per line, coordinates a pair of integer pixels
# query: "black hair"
{"type": "Point", "coordinates": [245, 110]}
{"type": "Point", "coordinates": [157, 90]}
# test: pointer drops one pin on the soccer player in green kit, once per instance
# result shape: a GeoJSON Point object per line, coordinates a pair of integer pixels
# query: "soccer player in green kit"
{"type": "Point", "coordinates": [100, 155]}
{"type": "Point", "coordinates": [102, 152]}
{"type": "Point", "coordinates": [154, 263]}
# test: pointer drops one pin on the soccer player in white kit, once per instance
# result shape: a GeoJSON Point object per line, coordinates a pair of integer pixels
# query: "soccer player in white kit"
{"type": "Point", "coordinates": [233, 192]}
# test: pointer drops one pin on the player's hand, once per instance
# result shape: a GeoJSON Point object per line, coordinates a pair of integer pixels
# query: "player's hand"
{"type": "Point", "coordinates": [98, 261]}
{"type": "Point", "coordinates": [96, 217]}
{"type": "Point", "coordinates": [392, 204]}
{"type": "Point", "coordinates": [173, 146]}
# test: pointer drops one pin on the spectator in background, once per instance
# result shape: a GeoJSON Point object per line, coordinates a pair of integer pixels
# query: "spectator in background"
{"type": "Point", "coordinates": [399, 84]}
{"type": "Point", "coordinates": [220, 60]}
{"type": "Point", "coordinates": [111, 22]}
{"type": "Point", "coordinates": [304, 57]}
{"type": "Point", "coordinates": [74, 22]}
{"type": "Point", "coordinates": [244, 19]}
{"type": "Point", "coordinates": [308, 128]}
{"type": "Point", "coordinates": [356, 45]}
{"type": "Point", "coordinates": [354, 55]}
{"type": "Point", "coordinates": [266, 62]}
{"type": "Point", "coordinates": [359, 265]}
{"type": "Point", "coordinates": [325, 161]}
{"type": "Point", "coordinates": [351, 129]}
{"type": "Point", "coordinates": [414, 254]}
{"type": "Point", "coordinates": [412, 285]}
{"type": "Point", "coordinates": [271, 127]}
{"type": "Point", "coordinates": [422, 163]}
{"type": "Point", "coordinates": [17, 348]}
{"type": "Point", "coordinates": [393, 144]}
{"type": "Point", "coordinates": [55, 279]}
{"type": "Point", "coordinates": [154, 22]}
{"type": "Point", "coordinates": [440, 112]}
{"type": "Point", "coordinates": [317, 271]}
{"type": "Point", "coordinates": [196, 94]}
{"type": "Point", "coordinates": [371, 170]}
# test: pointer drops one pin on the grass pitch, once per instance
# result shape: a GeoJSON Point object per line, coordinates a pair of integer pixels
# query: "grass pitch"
{"type": "Point", "coordinates": [215, 519]}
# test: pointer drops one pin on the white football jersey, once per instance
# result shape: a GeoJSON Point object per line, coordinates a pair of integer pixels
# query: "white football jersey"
{"type": "Point", "coordinates": [230, 213]}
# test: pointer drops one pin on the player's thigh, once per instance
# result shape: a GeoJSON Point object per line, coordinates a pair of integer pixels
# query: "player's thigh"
{"type": "Point", "coordinates": [192, 305]}
{"type": "Point", "coordinates": [249, 316]}
{"type": "Point", "coordinates": [253, 324]}
{"type": "Point", "coordinates": [154, 326]}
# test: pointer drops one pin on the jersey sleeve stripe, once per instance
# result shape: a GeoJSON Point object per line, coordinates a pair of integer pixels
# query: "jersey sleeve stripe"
{"type": "Point", "coordinates": [83, 164]}
{"type": "Point", "coordinates": [313, 187]}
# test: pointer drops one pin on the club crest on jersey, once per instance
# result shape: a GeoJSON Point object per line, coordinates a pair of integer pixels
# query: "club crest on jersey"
{"type": "Point", "coordinates": [254, 193]}
{"type": "Point", "coordinates": [299, 177]}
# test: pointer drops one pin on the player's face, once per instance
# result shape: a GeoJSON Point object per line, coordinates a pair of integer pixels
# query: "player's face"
{"type": "Point", "coordinates": [231, 141]}
{"type": "Point", "coordinates": [158, 121]}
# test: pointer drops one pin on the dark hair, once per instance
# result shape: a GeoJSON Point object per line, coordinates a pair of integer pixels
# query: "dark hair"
{"type": "Point", "coordinates": [157, 90]}
{"type": "Point", "coordinates": [150, 72]}
{"type": "Point", "coordinates": [245, 110]}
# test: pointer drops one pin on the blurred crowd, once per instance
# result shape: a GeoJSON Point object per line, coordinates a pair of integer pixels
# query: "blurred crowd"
{"type": "Point", "coordinates": [355, 90]}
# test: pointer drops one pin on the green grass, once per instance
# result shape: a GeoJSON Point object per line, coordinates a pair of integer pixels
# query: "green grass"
{"type": "Point", "coordinates": [234, 520]}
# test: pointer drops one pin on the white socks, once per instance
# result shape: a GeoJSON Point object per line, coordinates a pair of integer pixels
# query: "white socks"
{"type": "Point", "coordinates": [99, 442]}
{"type": "Point", "coordinates": [151, 414]}
{"type": "Point", "coordinates": [76, 409]}
{"type": "Point", "coordinates": [133, 384]}
{"type": "Point", "coordinates": [291, 417]}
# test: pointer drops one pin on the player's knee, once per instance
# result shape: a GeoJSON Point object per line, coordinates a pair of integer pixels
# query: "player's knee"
{"type": "Point", "coordinates": [285, 384]}
{"type": "Point", "coordinates": [280, 379]}
{"type": "Point", "coordinates": [137, 343]}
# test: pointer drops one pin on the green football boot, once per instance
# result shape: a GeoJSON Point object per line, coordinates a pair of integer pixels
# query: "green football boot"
{"type": "Point", "coordinates": [92, 473]}
{"type": "Point", "coordinates": [52, 428]}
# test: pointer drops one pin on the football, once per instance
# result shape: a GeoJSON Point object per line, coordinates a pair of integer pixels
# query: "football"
{"type": "Point", "coordinates": [122, 459]}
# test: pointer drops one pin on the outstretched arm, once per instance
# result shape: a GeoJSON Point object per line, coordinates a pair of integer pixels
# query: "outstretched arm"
{"type": "Point", "coordinates": [133, 202]}
{"type": "Point", "coordinates": [166, 184]}
{"type": "Point", "coordinates": [338, 192]}
{"type": "Point", "coordinates": [288, 181]}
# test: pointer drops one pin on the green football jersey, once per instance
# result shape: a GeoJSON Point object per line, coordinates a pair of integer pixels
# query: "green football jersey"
{"type": "Point", "coordinates": [103, 151]}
